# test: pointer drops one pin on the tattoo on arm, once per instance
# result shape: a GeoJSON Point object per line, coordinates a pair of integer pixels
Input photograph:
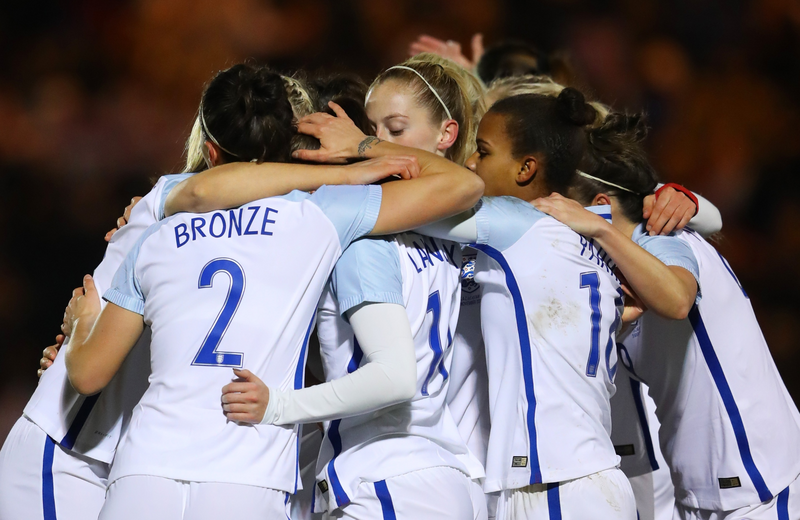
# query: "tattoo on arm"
{"type": "Point", "coordinates": [366, 144]}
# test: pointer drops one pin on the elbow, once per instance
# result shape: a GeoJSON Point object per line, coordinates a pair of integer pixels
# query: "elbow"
{"type": "Point", "coordinates": [83, 384]}
{"type": "Point", "coordinates": [472, 190]}
{"type": "Point", "coordinates": [681, 309]}
{"type": "Point", "coordinates": [407, 390]}
{"type": "Point", "coordinates": [80, 379]}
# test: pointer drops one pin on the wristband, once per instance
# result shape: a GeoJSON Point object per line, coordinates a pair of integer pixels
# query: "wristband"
{"type": "Point", "coordinates": [685, 191]}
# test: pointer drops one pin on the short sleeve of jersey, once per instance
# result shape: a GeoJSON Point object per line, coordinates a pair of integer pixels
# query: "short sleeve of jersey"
{"type": "Point", "coordinates": [170, 181]}
{"type": "Point", "coordinates": [353, 210]}
{"type": "Point", "coordinates": [125, 290]}
{"type": "Point", "coordinates": [501, 221]}
{"type": "Point", "coordinates": [672, 251]}
{"type": "Point", "coordinates": [368, 271]}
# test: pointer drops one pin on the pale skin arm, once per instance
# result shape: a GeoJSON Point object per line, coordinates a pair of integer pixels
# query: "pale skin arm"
{"type": "Point", "coordinates": [99, 340]}
{"type": "Point", "coordinates": [669, 291]}
{"type": "Point", "coordinates": [443, 188]}
{"type": "Point", "coordinates": [233, 184]}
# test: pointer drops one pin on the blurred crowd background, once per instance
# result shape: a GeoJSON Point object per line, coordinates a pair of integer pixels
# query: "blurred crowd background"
{"type": "Point", "coordinates": [97, 98]}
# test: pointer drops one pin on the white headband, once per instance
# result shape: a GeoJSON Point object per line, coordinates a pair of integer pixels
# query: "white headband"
{"type": "Point", "coordinates": [213, 140]}
{"type": "Point", "coordinates": [582, 174]}
{"type": "Point", "coordinates": [430, 87]}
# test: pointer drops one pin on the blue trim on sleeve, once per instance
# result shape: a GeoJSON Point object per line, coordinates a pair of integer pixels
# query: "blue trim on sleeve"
{"type": "Point", "coordinates": [553, 501]}
{"type": "Point", "coordinates": [783, 504]}
{"type": "Point", "coordinates": [48, 490]}
{"type": "Point", "coordinates": [68, 442]}
{"type": "Point", "coordinates": [170, 181]}
{"type": "Point", "coordinates": [130, 303]}
{"type": "Point", "coordinates": [353, 210]}
{"type": "Point", "coordinates": [728, 400]}
{"type": "Point", "coordinates": [368, 271]}
{"type": "Point", "coordinates": [385, 498]}
{"type": "Point", "coordinates": [525, 348]}
{"type": "Point", "coordinates": [636, 389]}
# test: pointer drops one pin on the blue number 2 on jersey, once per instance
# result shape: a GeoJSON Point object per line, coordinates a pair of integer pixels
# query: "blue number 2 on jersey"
{"type": "Point", "coordinates": [208, 356]}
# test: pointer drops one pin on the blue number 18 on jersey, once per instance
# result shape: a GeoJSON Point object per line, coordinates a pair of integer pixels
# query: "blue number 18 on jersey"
{"type": "Point", "coordinates": [208, 356]}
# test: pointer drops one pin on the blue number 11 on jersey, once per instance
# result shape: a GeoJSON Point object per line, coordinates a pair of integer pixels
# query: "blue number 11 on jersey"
{"type": "Point", "coordinates": [208, 356]}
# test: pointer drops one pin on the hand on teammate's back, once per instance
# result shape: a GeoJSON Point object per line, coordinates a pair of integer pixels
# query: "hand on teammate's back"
{"type": "Point", "coordinates": [246, 398]}
{"type": "Point", "coordinates": [571, 213]}
{"type": "Point", "coordinates": [126, 216]}
{"type": "Point", "coordinates": [49, 355]}
{"type": "Point", "coordinates": [668, 211]}
{"type": "Point", "coordinates": [84, 305]}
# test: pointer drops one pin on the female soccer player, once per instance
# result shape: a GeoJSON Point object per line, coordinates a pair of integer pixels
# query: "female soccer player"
{"type": "Point", "coordinates": [179, 444]}
{"type": "Point", "coordinates": [56, 458]}
{"type": "Point", "coordinates": [555, 439]}
{"type": "Point", "coordinates": [424, 460]}
{"type": "Point", "coordinates": [729, 432]}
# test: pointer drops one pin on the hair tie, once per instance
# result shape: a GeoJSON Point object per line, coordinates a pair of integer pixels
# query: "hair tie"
{"type": "Point", "coordinates": [430, 87]}
{"type": "Point", "coordinates": [583, 174]}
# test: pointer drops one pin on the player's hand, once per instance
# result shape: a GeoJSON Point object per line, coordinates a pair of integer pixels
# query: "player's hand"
{"type": "Point", "coordinates": [670, 211]}
{"type": "Point", "coordinates": [49, 355]}
{"type": "Point", "coordinates": [245, 399]}
{"type": "Point", "coordinates": [126, 216]}
{"type": "Point", "coordinates": [448, 49]}
{"type": "Point", "coordinates": [339, 137]}
{"type": "Point", "coordinates": [84, 305]}
{"type": "Point", "coordinates": [373, 170]}
{"type": "Point", "coordinates": [633, 306]}
{"type": "Point", "coordinates": [571, 213]}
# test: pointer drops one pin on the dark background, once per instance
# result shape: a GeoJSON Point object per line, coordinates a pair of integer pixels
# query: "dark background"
{"type": "Point", "coordinates": [97, 98]}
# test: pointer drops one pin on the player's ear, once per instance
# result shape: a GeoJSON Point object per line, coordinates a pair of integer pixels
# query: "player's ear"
{"type": "Point", "coordinates": [527, 170]}
{"type": "Point", "coordinates": [211, 154]}
{"type": "Point", "coordinates": [601, 199]}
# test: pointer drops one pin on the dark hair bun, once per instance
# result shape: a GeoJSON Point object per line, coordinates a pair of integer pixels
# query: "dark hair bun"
{"type": "Point", "coordinates": [247, 110]}
{"type": "Point", "coordinates": [619, 130]}
{"type": "Point", "coordinates": [263, 93]}
{"type": "Point", "coordinates": [572, 106]}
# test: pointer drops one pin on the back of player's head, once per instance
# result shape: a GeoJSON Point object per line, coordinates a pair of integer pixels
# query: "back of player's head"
{"type": "Point", "coordinates": [512, 58]}
{"type": "Point", "coordinates": [615, 156]}
{"type": "Point", "coordinates": [346, 90]}
{"type": "Point", "coordinates": [245, 111]}
{"type": "Point", "coordinates": [552, 128]}
{"type": "Point", "coordinates": [447, 91]}
{"type": "Point", "coordinates": [510, 86]}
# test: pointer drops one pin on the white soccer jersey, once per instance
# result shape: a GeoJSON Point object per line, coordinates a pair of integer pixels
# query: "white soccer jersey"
{"type": "Point", "coordinates": [729, 430]}
{"type": "Point", "coordinates": [92, 425]}
{"type": "Point", "coordinates": [468, 393]}
{"type": "Point", "coordinates": [236, 288]}
{"type": "Point", "coordinates": [422, 274]}
{"type": "Point", "coordinates": [549, 314]}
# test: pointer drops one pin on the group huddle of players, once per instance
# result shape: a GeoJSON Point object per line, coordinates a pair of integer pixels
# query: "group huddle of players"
{"type": "Point", "coordinates": [465, 281]}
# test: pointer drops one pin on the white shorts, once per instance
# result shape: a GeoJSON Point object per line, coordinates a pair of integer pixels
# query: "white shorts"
{"type": "Point", "coordinates": [655, 495]}
{"type": "Point", "coordinates": [140, 497]}
{"type": "Point", "coordinates": [606, 495]}
{"type": "Point", "coordinates": [427, 494]}
{"type": "Point", "coordinates": [785, 506]}
{"type": "Point", "coordinates": [41, 480]}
